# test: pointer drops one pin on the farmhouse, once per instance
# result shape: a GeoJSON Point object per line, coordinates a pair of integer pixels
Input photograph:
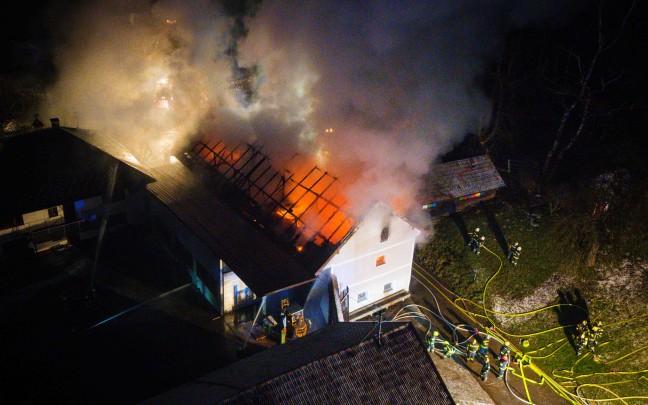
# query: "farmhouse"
{"type": "Point", "coordinates": [281, 240]}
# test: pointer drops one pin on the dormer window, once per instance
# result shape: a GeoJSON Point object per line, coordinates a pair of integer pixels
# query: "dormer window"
{"type": "Point", "coordinates": [384, 234]}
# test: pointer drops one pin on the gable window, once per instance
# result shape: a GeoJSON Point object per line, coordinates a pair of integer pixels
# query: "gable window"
{"type": "Point", "coordinates": [52, 212]}
{"type": "Point", "coordinates": [384, 234]}
{"type": "Point", "coordinates": [388, 288]}
{"type": "Point", "coordinates": [362, 296]}
{"type": "Point", "coordinates": [380, 260]}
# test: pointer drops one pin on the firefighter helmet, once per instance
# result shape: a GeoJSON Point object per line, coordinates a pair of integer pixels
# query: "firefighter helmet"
{"type": "Point", "coordinates": [482, 238]}
{"type": "Point", "coordinates": [504, 357]}
{"type": "Point", "coordinates": [476, 229]}
{"type": "Point", "coordinates": [507, 343]}
{"type": "Point", "coordinates": [435, 333]}
{"type": "Point", "coordinates": [519, 248]}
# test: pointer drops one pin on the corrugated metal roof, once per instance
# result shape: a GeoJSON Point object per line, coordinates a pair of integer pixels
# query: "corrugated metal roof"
{"type": "Point", "coordinates": [256, 259]}
{"type": "Point", "coordinates": [464, 177]}
{"type": "Point", "coordinates": [339, 364]}
{"type": "Point", "coordinates": [110, 146]}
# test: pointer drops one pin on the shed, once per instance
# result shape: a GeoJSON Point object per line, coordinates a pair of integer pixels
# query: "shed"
{"type": "Point", "coordinates": [456, 185]}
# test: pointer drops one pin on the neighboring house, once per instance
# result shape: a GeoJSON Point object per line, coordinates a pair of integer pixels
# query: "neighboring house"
{"type": "Point", "coordinates": [248, 233]}
{"type": "Point", "coordinates": [342, 363]}
{"type": "Point", "coordinates": [60, 182]}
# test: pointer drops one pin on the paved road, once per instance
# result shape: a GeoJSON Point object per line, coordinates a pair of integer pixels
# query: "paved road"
{"type": "Point", "coordinates": [425, 290]}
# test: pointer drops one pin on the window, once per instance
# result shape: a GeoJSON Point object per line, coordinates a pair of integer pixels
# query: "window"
{"type": "Point", "coordinates": [362, 296]}
{"type": "Point", "coordinates": [53, 212]}
{"type": "Point", "coordinates": [384, 234]}
{"type": "Point", "coordinates": [388, 288]}
{"type": "Point", "coordinates": [380, 260]}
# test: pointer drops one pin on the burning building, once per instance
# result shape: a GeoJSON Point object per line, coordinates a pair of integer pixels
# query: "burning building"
{"type": "Point", "coordinates": [283, 238]}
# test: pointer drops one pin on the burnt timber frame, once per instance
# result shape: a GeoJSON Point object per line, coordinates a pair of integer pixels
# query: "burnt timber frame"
{"type": "Point", "coordinates": [249, 170]}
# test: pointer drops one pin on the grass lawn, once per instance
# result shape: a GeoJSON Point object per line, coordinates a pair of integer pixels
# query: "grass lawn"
{"type": "Point", "coordinates": [553, 273]}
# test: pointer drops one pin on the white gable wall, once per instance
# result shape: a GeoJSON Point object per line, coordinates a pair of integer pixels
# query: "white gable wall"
{"type": "Point", "coordinates": [355, 263]}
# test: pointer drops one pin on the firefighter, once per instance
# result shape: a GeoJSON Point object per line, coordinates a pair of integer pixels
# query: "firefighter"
{"type": "Point", "coordinates": [485, 369]}
{"type": "Point", "coordinates": [483, 347]}
{"type": "Point", "coordinates": [582, 327]}
{"type": "Point", "coordinates": [479, 245]}
{"type": "Point", "coordinates": [505, 350]}
{"type": "Point", "coordinates": [472, 349]}
{"type": "Point", "coordinates": [431, 341]}
{"type": "Point", "coordinates": [512, 249]}
{"type": "Point", "coordinates": [448, 350]}
{"type": "Point", "coordinates": [472, 243]}
{"type": "Point", "coordinates": [503, 364]}
{"type": "Point", "coordinates": [516, 256]}
{"type": "Point", "coordinates": [581, 342]}
{"type": "Point", "coordinates": [595, 335]}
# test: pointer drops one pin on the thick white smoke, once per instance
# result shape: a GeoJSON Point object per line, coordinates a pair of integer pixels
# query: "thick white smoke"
{"type": "Point", "coordinates": [373, 91]}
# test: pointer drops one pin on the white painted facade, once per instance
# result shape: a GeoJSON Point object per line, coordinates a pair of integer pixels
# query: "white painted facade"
{"type": "Point", "coordinates": [376, 260]}
{"type": "Point", "coordinates": [40, 219]}
{"type": "Point", "coordinates": [236, 293]}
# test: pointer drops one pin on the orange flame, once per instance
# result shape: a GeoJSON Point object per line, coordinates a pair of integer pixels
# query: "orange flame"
{"type": "Point", "coordinates": [310, 199]}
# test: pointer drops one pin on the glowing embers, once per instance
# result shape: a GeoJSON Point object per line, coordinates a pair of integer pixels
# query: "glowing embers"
{"type": "Point", "coordinates": [312, 203]}
{"type": "Point", "coordinates": [301, 200]}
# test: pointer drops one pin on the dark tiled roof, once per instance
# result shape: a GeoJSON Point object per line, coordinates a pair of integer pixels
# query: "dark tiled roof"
{"type": "Point", "coordinates": [260, 263]}
{"type": "Point", "coordinates": [464, 177]}
{"type": "Point", "coordinates": [47, 167]}
{"type": "Point", "coordinates": [339, 364]}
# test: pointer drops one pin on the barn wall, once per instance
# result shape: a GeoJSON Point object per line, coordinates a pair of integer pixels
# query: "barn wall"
{"type": "Point", "coordinates": [202, 267]}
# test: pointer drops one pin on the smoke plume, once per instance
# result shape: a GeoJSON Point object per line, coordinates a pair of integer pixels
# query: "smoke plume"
{"type": "Point", "coordinates": [372, 91]}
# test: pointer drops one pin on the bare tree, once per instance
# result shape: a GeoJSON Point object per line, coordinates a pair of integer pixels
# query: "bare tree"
{"type": "Point", "coordinates": [577, 105]}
